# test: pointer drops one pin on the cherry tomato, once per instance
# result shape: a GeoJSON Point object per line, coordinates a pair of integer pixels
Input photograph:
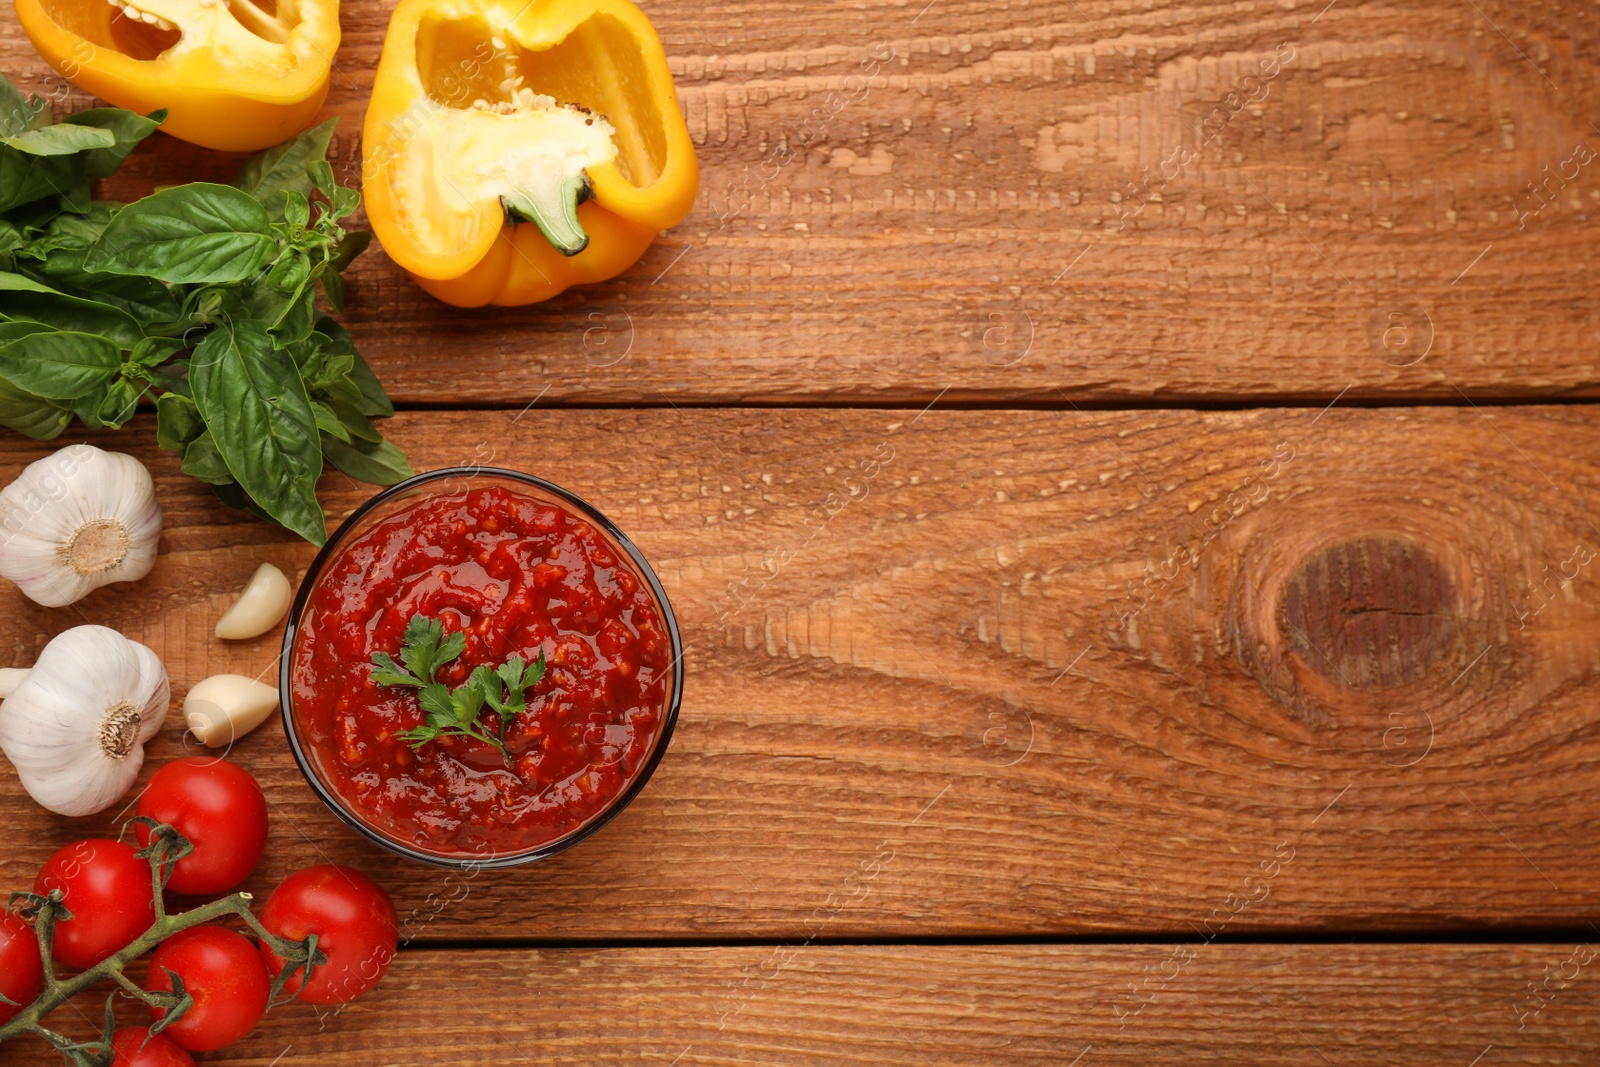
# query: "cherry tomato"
{"type": "Point", "coordinates": [107, 888]}
{"type": "Point", "coordinates": [219, 807]}
{"type": "Point", "coordinates": [129, 1049]}
{"type": "Point", "coordinates": [223, 972]}
{"type": "Point", "coordinates": [21, 972]}
{"type": "Point", "coordinates": [355, 924]}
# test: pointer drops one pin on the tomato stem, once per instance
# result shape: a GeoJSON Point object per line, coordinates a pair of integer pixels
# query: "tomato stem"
{"type": "Point", "coordinates": [49, 910]}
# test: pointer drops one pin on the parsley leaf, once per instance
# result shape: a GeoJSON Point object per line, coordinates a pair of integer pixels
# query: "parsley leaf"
{"type": "Point", "coordinates": [418, 736]}
{"type": "Point", "coordinates": [510, 671]}
{"type": "Point", "coordinates": [391, 673]}
{"type": "Point", "coordinates": [425, 649]}
{"type": "Point", "coordinates": [436, 700]}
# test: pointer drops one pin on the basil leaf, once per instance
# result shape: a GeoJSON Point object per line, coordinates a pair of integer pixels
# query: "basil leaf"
{"type": "Point", "coordinates": [328, 422]}
{"type": "Point", "coordinates": [289, 315]}
{"type": "Point", "coordinates": [110, 406]}
{"type": "Point", "coordinates": [322, 177]}
{"type": "Point", "coordinates": [374, 401]}
{"type": "Point", "coordinates": [199, 232]}
{"type": "Point", "coordinates": [151, 352]}
{"type": "Point", "coordinates": [58, 365]}
{"type": "Point", "coordinates": [36, 216]}
{"type": "Point", "coordinates": [296, 208]}
{"type": "Point", "coordinates": [265, 304]}
{"type": "Point", "coordinates": [75, 230]}
{"type": "Point", "coordinates": [285, 168]}
{"type": "Point", "coordinates": [335, 375]}
{"type": "Point", "coordinates": [127, 129]}
{"type": "Point", "coordinates": [146, 299]}
{"type": "Point", "coordinates": [333, 288]}
{"type": "Point", "coordinates": [202, 460]}
{"type": "Point", "coordinates": [25, 178]}
{"type": "Point", "coordinates": [324, 367]}
{"type": "Point", "coordinates": [252, 400]}
{"type": "Point", "coordinates": [233, 496]}
{"type": "Point", "coordinates": [336, 367]}
{"type": "Point", "coordinates": [10, 237]}
{"type": "Point", "coordinates": [23, 298]}
{"type": "Point", "coordinates": [343, 202]}
{"type": "Point", "coordinates": [339, 339]}
{"type": "Point", "coordinates": [356, 424]}
{"type": "Point", "coordinates": [87, 408]}
{"type": "Point", "coordinates": [308, 360]}
{"type": "Point", "coordinates": [33, 416]}
{"type": "Point", "coordinates": [17, 112]}
{"type": "Point", "coordinates": [295, 321]}
{"type": "Point", "coordinates": [378, 463]}
{"type": "Point", "coordinates": [10, 331]}
{"type": "Point", "coordinates": [63, 139]}
{"type": "Point", "coordinates": [341, 393]}
{"type": "Point", "coordinates": [290, 273]}
{"type": "Point", "coordinates": [350, 246]}
{"type": "Point", "coordinates": [77, 198]}
{"type": "Point", "coordinates": [230, 494]}
{"type": "Point", "coordinates": [177, 421]}
{"type": "Point", "coordinates": [173, 377]}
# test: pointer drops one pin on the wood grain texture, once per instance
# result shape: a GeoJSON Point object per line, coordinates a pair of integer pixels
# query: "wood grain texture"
{"type": "Point", "coordinates": [1028, 670]}
{"type": "Point", "coordinates": [1397, 210]}
{"type": "Point", "coordinates": [1422, 1005]}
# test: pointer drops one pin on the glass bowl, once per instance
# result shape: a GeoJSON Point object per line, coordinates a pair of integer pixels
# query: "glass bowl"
{"type": "Point", "coordinates": [385, 505]}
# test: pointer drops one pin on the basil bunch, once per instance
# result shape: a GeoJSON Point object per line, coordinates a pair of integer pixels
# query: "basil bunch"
{"type": "Point", "coordinates": [201, 296]}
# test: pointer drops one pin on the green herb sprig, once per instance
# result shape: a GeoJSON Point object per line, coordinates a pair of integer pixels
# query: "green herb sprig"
{"type": "Point", "coordinates": [202, 297]}
{"type": "Point", "coordinates": [425, 649]}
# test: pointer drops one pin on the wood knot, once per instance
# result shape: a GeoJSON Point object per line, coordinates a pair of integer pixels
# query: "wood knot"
{"type": "Point", "coordinates": [1370, 611]}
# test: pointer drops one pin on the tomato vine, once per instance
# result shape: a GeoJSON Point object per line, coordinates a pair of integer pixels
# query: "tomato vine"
{"type": "Point", "coordinates": [166, 847]}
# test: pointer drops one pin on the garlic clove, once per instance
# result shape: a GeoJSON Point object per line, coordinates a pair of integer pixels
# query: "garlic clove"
{"type": "Point", "coordinates": [259, 608]}
{"type": "Point", "coordinates": [10, 678]}
{"type": "Point", "coordinates": [76, 520]}
{"type": "Point", "coordinates": [76, 726]}
{"type": "Point", "coordinates": [225, 707]}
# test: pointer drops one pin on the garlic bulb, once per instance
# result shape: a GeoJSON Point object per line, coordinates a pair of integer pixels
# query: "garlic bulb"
{"type": "Point", "coordinates": [76, 726]}
{"type": "Point", "coordinates": [76, 520]}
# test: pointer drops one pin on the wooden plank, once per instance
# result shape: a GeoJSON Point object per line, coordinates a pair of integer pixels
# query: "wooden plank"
{"type": "Point", "coordinates": [969, 651]}
{"type": "Point", "coordinates": [698, 1007]}
{"type": "Point", "coordinates": [976, 217]}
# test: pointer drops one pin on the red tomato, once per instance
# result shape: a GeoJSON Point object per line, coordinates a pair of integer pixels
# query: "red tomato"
{"type": "Point", "coordinates": [355, 924]}
{"type": "Point", "coordinates": [107, 888]}
{"type": "Point", "coordinates": [223, 972]}
{"type": "Point", "coordinates": [21, 972]}
{"type": "Point", "coordinates": [219, 807]}
{"type": "Point", "coordinates": [160, 1051]}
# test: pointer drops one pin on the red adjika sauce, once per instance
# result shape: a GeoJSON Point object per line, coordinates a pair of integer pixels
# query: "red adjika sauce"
{"type": "Point", "coordinates": [515, 575]}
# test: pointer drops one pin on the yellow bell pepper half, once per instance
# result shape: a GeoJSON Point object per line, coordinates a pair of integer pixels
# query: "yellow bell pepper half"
{"type": "Point", "coordinates": [235, 75]}
{"type": "Point", "coordinates": [515, 148]}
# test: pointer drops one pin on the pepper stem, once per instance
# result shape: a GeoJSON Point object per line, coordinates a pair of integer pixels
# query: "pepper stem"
{"type": "Point", "coordinates": [553, 207]}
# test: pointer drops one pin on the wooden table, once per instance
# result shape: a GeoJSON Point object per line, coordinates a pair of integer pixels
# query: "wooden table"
{"type": "Point", "coordinates": [1138, 606]}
